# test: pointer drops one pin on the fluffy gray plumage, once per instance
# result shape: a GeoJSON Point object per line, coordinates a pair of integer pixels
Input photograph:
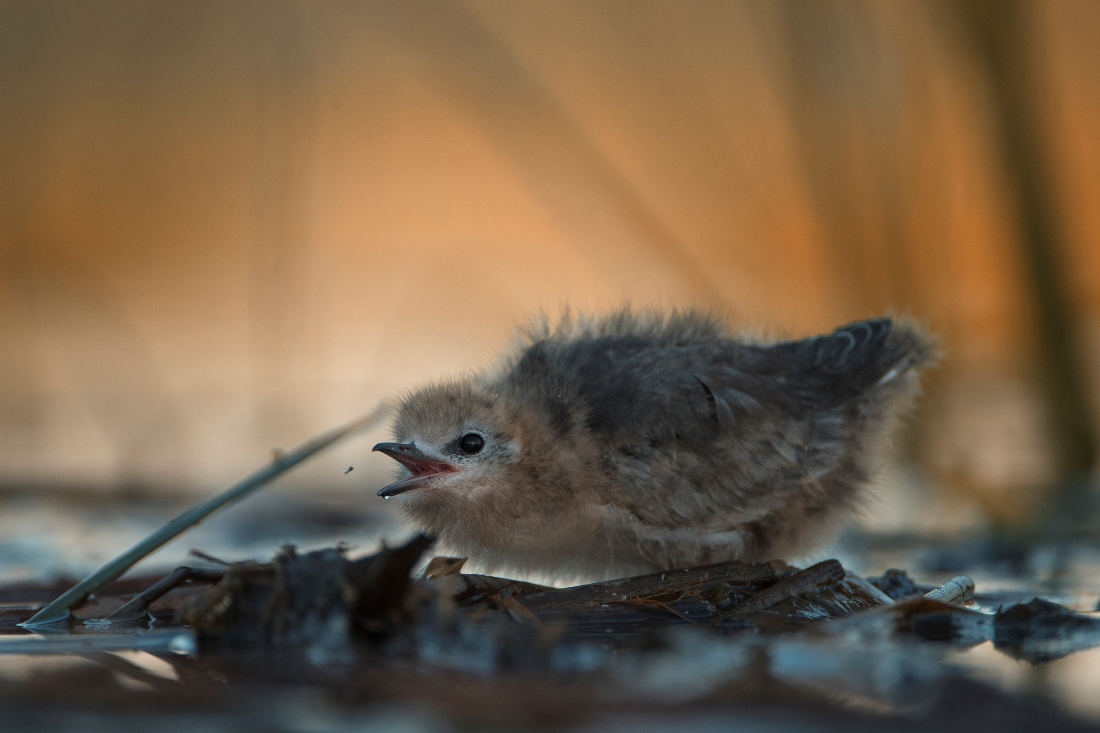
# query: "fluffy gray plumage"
{"type": "Point", "coordinates": [638, 443]}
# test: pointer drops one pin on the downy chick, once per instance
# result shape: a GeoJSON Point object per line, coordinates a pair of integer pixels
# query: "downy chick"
{"type": "Point", "coordinates": [638, 443]}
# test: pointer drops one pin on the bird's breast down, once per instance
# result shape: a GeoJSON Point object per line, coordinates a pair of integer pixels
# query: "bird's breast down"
{"type": "Point", "coordinates": [637, 444]}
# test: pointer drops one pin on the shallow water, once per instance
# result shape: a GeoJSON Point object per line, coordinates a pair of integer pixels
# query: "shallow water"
{"type": "Point", "coordinates": [45, 538]}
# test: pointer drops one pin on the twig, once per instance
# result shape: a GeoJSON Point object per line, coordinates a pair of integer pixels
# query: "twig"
{"type": "Point", "coordinates": [822, 575]}
{"type": "Point", "coordinates": [57, 612]}
{"type": "Point", "coordinates": [654, 585]}
{"type": "Point", "coordinates": [154, 641]}
{"type": "Point", "coordinates": [209, 558]}
{"type": "Point", "coordinates": [957, 591]}
{"type": "Point", "coordinates": [476, 586]}
{"type": "Point", "coordinates": [649, 602]}
{"type": "Point", "coordinates": [137, 608]}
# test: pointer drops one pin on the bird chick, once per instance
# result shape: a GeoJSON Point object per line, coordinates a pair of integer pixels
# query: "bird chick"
{"type": "Point", "coordinates": [638, 443]}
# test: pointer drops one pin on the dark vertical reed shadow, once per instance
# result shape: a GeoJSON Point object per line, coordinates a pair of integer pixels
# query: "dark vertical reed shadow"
{"type": "Point", "coordinates": [591, 200]}
{"type": "Point", "coordinates": [284, 49]}
{"type": "Point", "coordinates": [998, 37]}
{"type": "Point", "coordinates": [845, 92]}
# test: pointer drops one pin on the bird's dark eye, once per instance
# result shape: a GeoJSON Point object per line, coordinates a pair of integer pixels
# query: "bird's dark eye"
{"type": "Point", "coordinates": [471, 443]}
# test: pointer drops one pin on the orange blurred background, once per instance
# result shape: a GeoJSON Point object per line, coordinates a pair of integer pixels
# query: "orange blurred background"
{"type": "Point", "coordinates": [227, 226]}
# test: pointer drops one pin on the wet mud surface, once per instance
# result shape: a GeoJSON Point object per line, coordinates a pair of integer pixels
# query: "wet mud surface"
{"type": "Point", "coordinates": [339, 640]}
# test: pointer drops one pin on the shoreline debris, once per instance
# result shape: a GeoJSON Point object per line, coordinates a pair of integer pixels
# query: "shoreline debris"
{"type": "Point", "coordinates": [57, 612]}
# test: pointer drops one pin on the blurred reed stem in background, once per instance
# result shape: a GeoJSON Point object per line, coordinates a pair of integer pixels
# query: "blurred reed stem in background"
{"type": "Point", "coordinates": [998, 31]}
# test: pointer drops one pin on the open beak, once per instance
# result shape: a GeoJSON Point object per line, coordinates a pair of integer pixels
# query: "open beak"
{"type": "Point", "coordinates": [419, 465]}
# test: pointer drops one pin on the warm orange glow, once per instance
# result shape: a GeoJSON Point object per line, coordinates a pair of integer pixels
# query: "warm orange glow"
{"type": "Point", "coordinates": [224, 227]}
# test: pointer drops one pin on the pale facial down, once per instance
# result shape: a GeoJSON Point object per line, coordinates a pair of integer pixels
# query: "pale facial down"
{"type": "Point", "coordinates": [459, 456]}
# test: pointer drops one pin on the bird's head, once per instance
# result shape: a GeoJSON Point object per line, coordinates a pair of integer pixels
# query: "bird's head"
{"type": "Point", "coordinates": [452, 441]}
